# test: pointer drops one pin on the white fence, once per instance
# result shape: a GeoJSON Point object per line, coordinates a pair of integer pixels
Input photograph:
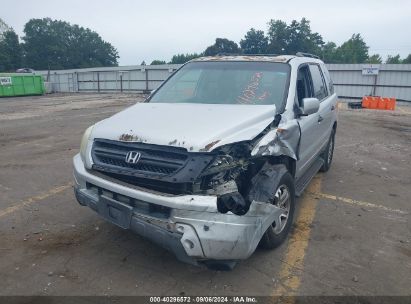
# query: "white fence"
{"type": "Point", "coordinates": [110, 79]}
{"type": "Point", "coordinates": [392, 80]}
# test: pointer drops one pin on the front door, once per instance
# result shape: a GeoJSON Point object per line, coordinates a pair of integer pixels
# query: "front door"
{"type": "Point", "coordinates": [311, 138]}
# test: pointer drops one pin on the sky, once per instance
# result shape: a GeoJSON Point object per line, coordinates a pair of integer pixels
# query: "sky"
{"type": "Point", "coordinates": [158, 29]}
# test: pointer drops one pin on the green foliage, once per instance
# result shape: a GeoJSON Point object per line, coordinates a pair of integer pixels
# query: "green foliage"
{"type": "Point", "coordinates": [407, 59]}
{"type": "Point", "coordinates": [283, 38]}
{"type": "Point", "coordinates": [222, 45]}
{"type": "Point", "coordinates": [354, 50]}
{"type": "Point", "coordinates": [57, 44]}
{"type": "Point", "coordinates": [301, 38]}
{"type": "Point", "coordinates": [293, 38]}
{"type": "Point", "coordinates": [277, 36]}
{"type": "Point", "coordinates": [254, 42]}
{"type": "Point", "coordinates": [157, 62]}
{"type": "Point", "coordinates": [376, 58]}
{"type": "Point", "coordinates": [10, 52]}
{"type": "Point", "coordinates": [394, 59]}
{"type": "Point", "coordinates": [4, 28]}
{"type": "Point", "coordinates": [183, 58]}
{"type": "Point", "coordinates": [330, 52]}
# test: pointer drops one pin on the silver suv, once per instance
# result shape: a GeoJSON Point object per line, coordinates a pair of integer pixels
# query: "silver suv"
{"type": "Point", "coordinates": [210, 164]}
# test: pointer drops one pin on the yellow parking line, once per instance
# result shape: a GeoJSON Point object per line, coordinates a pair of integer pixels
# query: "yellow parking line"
{"type": "Point", "coordinates": [293, 263]}
{"type": "Point", "coordinates": [17, 206]}
{"type": "Point", "coordinates": [355, 202]}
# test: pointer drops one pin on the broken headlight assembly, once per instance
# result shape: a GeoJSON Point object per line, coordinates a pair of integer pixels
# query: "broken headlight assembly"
{"type": "Point", "coordinates": [225, 176]}
{"type": "Point", "coordinates": [227, 165]}
{"type": "Point", "coordinates": [219, 163]}
{"type": "Point", "coordinates": [229, 157]}
{"type": "Point", "coordinates": [84, 142]}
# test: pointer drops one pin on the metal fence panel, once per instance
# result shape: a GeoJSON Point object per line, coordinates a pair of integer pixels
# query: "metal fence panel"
{"type": "Point", "coordinates": [393, 80]}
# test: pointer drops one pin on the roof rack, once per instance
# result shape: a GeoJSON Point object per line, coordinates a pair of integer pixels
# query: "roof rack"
{"type": "Point", "coordinates": [301, 54]}
{"type": "Point", "coordinates": [239, 54]}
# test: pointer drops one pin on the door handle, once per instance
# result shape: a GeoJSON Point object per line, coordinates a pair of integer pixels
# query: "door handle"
{"type": "Point", "coordinates": [332, 108]}
{"type": "Point", "coordinates": [320, 118]}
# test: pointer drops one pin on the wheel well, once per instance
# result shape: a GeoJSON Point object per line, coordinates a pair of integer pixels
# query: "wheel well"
{"type": "Point", "coordinates": [289, 162]}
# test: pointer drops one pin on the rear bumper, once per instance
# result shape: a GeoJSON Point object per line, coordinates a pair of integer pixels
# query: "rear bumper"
{"type": "Point", "coordinates": [193, 229]}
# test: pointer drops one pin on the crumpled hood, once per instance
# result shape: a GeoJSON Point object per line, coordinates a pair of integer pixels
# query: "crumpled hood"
{"type": "Point", "coordinates": [196, 127]}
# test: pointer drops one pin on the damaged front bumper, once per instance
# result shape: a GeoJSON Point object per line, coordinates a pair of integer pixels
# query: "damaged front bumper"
{"type": "Point", "coordinates": [188, 225]}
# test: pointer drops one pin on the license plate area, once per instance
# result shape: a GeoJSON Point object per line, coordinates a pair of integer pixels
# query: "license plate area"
{"type": "Point", "coordinates": [115, 212]}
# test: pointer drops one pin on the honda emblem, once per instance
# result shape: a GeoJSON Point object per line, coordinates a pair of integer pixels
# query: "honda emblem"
{"type": "Point", "coordinates": [133, 157]}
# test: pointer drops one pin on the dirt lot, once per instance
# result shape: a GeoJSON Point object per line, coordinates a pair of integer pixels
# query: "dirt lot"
{"type": "Point", "coordinates": [351, 236]}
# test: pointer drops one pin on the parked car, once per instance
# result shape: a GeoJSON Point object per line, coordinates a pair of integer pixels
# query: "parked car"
{"type": "Point", "coordinates": [25, 70]}
{"type": "Point", "coordinates": [209, 166]}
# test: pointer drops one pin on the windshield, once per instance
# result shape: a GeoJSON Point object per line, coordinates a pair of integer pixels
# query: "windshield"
{"type": "Point", "coordinates": [252, 83]}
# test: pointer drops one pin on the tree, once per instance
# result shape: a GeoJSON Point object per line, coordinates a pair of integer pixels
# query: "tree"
{"type": "Point", "coordinates": [354, 50]}
{"type": "Point", "coordinates": [183, 58]}
{"type": "Point", "coordinates": [302, 39]}
{"type": "Point", "coordinates": [293, 38]}
{"type": "Point", "coordinates": [157, 62]}
{"type": "Point", "coordinates": [277, 36]}
{"type": "Point", "coordinates": [220, 46]}
{"type": "Point", "coordinates": [407, 59]}
{"type": "Point", "coordinates": [4, 28]}
{"type": "Point", "coordinates": [330, 53]}
{"type": "Point", "coordinates": [10, 52]}
{"type": "Point", "coordinates": [254, 42]}
{"type": "Point", "coordinates": [57, 44]}
{"type": "Point", "coordinates": [394, 59]}
{"type": "Point", "coordinates": [376, 58]}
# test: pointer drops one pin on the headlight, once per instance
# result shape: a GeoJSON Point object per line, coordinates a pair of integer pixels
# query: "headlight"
{"type": "Point", "coordinates": [84, 142]}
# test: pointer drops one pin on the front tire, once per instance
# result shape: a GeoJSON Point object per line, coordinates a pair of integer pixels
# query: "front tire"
{"type": "Point", "coordinates": [328, 153]}
{"type": "Point", "coordinates": [284, 198]}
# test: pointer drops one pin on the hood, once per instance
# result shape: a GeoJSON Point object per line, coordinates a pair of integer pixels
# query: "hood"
{"type": "Point", "coordinates": [196, 127]}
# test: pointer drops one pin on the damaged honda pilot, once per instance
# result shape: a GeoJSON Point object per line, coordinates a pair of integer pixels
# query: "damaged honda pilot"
{"type": "Point", "coordinates": [209, 166]}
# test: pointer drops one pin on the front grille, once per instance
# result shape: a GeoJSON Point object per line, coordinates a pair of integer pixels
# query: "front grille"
{"type": "Point", "coordinates": [110, 156]}
{"type": "Point", "coordinates": [165, 169]}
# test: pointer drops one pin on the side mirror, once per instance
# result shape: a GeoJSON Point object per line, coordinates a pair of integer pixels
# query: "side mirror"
{"type": "Point", "coordinates": [309, 106]}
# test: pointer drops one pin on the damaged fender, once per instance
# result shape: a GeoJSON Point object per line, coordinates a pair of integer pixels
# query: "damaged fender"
{"type": "Point", "coordinates": [283, 140]}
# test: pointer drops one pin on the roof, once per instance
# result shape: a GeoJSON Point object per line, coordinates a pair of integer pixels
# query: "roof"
{"type": "Point", "coordinates": [268, 58]}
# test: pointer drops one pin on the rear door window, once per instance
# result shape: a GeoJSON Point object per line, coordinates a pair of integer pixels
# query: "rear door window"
{"type": "Point", "coordinates": [328, 79]}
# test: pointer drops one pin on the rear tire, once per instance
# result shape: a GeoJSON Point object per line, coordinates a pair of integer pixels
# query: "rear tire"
{"type": "Point", "coordinates": [273, 237]}
{"type": "Point", "coordinates": [328, 153]}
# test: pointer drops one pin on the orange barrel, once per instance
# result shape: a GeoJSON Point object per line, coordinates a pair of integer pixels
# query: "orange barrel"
{"type": "Point", "coordinates": [366, 102]}
{"type": "Point", "coordinates": [391, 104]}
{"type": "Point", "coordinates": [381, 103]}
{"type": "Point", "coordinates": [374, 103]}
